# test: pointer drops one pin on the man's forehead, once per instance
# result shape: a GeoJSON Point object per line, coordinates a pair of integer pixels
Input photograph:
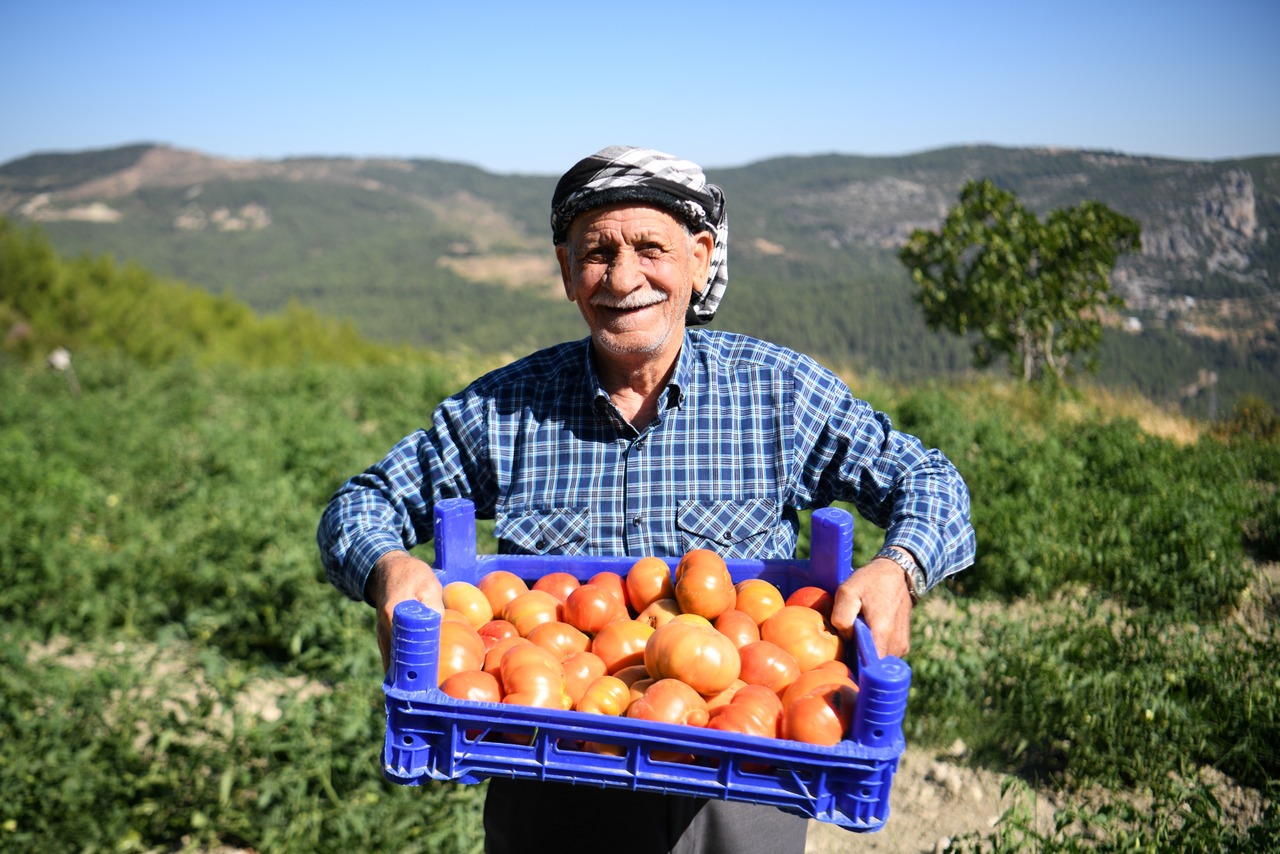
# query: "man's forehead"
{"type": "Point", "coordinates": [629, 219]}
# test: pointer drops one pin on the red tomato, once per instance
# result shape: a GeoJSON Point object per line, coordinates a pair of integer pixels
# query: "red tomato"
{"type": "Point", "coordinates": [703, 584]}
{"type": "Point", "coordinates": [473, 685]}
{"type": "Point", "coordinates": [813, 597]}
{"type": "Point", "coordinates": [803, 633]}
{"type": "Point", "coordinates": [621, 644]}
{"type": "Point", "coordinates": [500, 587]}
{"type": "Point", "coordinates": [820, 717]}
{"type": "Point", "coordinates": [561, 639]}
{"type": "Point", "coordinates": [531, 676]}
{"type": "Point", "coordinates": [738, 627]}
{"type": "Point", "coordinates": [531, 609]}
{"type": "Point", "coordinates": [470, 600]}
{"type": "Point", "coordinates": [767, 664]}
{"type": "Point", "coordinates": [460, 649]}
{"type": "Point", "coordinates": [558, 584]}
{"type": "Point", "coordinates": [698, 656]}
{"type": "Point", "coordinates": [613, 582]}
{"type": "Point", "coordinates": [759, 599]}
{"type": "Point", "coordinates": [498, 629]}
{"type": "Point", "coordinates": [819, 679]}
{"type": "Point", "coordinates": [649, 580]}
{"type": "Point", "coordinates": [591, 607]}
{"type": "Point", "coordinates": [580, 670]}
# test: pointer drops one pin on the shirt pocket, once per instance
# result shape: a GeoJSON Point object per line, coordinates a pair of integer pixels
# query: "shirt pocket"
{"type": "Point", "coordinates": [729, 528]}
{"type": "Point", "coordinates": [543, 532]}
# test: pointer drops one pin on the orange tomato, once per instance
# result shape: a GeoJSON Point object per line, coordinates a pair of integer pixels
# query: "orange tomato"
{"type": "Point", "coordinates": [558, 584]}
{"type": "Point", "coordinates": [473, 685]}
{"type": "Point", "coordinates": [606, 695]}
{"type": "Point", "coordinates": [659, 612]}
{"type": "Point", "coordinates": [531, 609]}
{"type": "Point", "coordinates": [820, 717]}
{"type": "Point", "coordinates": [723, 698]}
{"type": "Point", "coordinates": [590, 607]}
{"type": "Point", "coordinates": [738, 627]}
{"type": "Point", "coordinates": [561, 639]}
{"type": "Point", "coordinates": [813, 597]}
{"type": "Point", "coordinates": [621, 644]}
{"type": "Point", "coordinates": [802, 632]}
{"type": "Point", "coordinates": [767, 664]}
{"type": "Point", "coordinates": [531, 676]}
{"type": "Point", "coordinates": [757, 598]}
{"type": "Point", "coordinates": [614, 583]}
{"type": "Point", "coordinates": [470, 601]}
{"type": "Point", "coordinates": [500, 587]}
{"type": "Point", "coordinates": [580, 670]}
{"type": "Point", "coordinates": [703, 584]}
{"type": "Point", "coordinates": [670, 701]}
{"type": "Point", "coordinates": [819, 679]}
{"type": "Point", "coordinates": [493, 657]}
{"type": "Point", "coordinates": [498, 629]}
{"type": "Point", "coordinates": [698, 656]}
{"type": "Point", "coordinates": [649, 580]}
{"type": "Point", "coordinates": [460, 649]}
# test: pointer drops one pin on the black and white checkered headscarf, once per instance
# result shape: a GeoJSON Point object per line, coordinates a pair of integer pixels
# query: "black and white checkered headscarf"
{"type": "Point", "coordinates": [621, 173]}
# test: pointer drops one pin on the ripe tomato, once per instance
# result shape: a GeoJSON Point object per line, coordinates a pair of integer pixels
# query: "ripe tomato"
{"type": "Point", "coordinates": [803, 633]}
{"type": "Point", "coordinates": [531, 676]}
{"type": "Point", "coordinates": [819, 679]}
{"type": "Point", "coordinates": [561, 639]}
{"type": "Point", "coordinates": [473, 685]}
{"type": "Point", "coordinates": [614, 583]}
{"type": "Point", "coordinates": [631, 674]}
{"type": "Point", "coordinates": [621, 644]}
{"type": "Point", "coordinates": [531, 609]}
{"type": "Point", "coordinates": [759, 599]}
{"type": "Point", "coordinates": [737, 627]}
{"type": "Point", "coordinates": [500, 587]}
{"type": "Point", "coordinates": [670, 701]}
{"type": "Point", "coordinates": [659, 612]}
{"type": "Point", "coordinates": [580, 670]}
{"type": "Point", "coordinates": [591, 607]}
{"type": "Point", "coordinates": [606, 695]}
{"type": "Point", "coordinates": [767, 664]}
{"type": "Point", "coordinates": [648, 580]}
{"type": "Point", "coordinates": [723, 698]}
{"type": "Point", "coordinates": [558, 584]}
{"type": "Point", "coordinates": [820, 717]}
{"type": "Point", "coordinates": [698, 656]}
{"type": "Point", "coordinates": [493, 657]}
{"type": "Point", "coordinates": [813, 597]}
{"type": "Point", "coordinates": [470, 601]}
{"type": "Point", "coordinates": [703, 584]}
{"type": "Point", "coordinates": [498, 629]}
{"type": "Point", "coordinates": [460, 649]}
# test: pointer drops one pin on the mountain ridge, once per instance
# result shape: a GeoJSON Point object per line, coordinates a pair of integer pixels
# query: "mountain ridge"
{"type": "Point", "coordinates": [395, 244]}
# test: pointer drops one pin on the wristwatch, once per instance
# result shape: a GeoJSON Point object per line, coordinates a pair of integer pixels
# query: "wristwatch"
{"type": "Point", "coordinates": [916, 581]}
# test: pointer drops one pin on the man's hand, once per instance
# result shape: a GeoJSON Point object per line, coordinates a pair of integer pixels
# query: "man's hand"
{"type": "Point", "coordinates": [880, 593]}
{"type": "Point", "coordinates": [398, 577]}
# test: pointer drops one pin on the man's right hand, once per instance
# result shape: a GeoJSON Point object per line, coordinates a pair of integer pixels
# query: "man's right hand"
{"type": "Point", "coordinates": [397, 577]}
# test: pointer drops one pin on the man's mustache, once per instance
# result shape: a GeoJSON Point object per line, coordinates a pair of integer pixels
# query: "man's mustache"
{"type": "Point", "coordinates": [629, 302]}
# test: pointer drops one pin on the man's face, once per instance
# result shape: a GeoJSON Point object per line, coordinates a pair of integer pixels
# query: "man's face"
{"type": "Point", "coordinates": [631, 270]}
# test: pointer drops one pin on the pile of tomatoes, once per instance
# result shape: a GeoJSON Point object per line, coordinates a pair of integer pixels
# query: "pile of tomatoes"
{"type": "Point", "coordinates": [691, 649]}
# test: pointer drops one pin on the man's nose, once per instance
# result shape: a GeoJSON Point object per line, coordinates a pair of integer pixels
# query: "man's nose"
{"type": "Point", "coordinates": [624, 271]}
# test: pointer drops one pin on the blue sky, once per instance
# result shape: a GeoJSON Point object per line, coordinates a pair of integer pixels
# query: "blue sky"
{"type": "Point", "coordinates": [512, 87]}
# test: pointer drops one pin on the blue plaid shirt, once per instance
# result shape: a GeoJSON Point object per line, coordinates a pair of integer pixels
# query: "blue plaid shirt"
{"type": "Point", "coordinates": [748, 433]}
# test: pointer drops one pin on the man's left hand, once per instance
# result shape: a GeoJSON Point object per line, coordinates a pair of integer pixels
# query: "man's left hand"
{"type": "Point", "coordinates": [879, 592]}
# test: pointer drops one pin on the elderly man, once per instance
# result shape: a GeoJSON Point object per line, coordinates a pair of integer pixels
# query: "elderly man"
{"type": "Point", "coordinates": [651, 438]}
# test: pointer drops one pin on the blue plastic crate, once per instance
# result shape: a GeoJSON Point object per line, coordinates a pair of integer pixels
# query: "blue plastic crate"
{"type": "Point", "coordinates": [433, 736]}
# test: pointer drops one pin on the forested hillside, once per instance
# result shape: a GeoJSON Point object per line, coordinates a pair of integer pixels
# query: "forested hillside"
{"type": "Point", "coordinates": [446, 255]}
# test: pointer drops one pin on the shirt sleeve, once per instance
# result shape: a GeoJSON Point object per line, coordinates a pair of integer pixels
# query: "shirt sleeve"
{"type": "Point", "coordinates": [847, 451]}
{"type": "Point", "coordinates": [390, 505]}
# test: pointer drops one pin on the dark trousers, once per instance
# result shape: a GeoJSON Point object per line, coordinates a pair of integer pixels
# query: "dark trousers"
{"type": "Point", "coordinates": [525, 815]}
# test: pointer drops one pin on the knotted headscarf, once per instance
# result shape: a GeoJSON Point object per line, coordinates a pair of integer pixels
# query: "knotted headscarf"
{"type": "Point", "coordinates": [622, 173]}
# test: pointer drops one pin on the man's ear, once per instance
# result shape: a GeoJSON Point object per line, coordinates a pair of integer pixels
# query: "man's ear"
{"type": "Point", "coordinates": [562, 256]}
{"type": "Point", "coordinates": [704, 244]}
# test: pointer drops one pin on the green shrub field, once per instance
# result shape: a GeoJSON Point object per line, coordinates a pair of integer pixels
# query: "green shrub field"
{"type": "Point", "coordinates": [178, 675]}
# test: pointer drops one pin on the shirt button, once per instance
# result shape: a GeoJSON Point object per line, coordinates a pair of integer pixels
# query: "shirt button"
{"type": "Point", "coordinates": [637, 520]}
{"type": "Point", "coordinates": [541, 544]}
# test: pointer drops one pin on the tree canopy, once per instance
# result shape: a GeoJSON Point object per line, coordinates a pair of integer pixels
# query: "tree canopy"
{"type": "Point", "coordinates": [1033, 290]}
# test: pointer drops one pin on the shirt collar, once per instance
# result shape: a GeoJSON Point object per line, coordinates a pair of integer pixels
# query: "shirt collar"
{"type": "Point", "coordinates": [676, 386]}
